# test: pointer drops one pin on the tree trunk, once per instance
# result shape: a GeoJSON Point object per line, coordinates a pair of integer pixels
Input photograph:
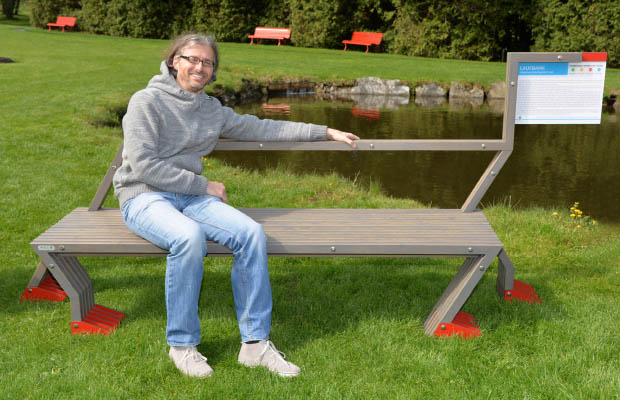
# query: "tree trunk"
{"type": "Point", "coordinates": [7, 8]}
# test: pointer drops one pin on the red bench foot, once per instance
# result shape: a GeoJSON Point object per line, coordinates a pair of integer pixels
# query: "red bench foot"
{"type": "Point", "coordinates": [522, 291]}
{"type": "Point", "coordinates": [48, 290]}
{"type": "Point", "coordinates": [100, 319]}
{"type": "Point", "coordinates": [463, 325]}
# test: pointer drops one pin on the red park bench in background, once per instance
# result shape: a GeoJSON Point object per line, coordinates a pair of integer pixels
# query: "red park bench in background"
{"type": "Point", "coordinates": [62, 22]}
{"type": "Point", "coordinates": [270, 33]}
{"type": "Point", "coordinates": [364, 39]}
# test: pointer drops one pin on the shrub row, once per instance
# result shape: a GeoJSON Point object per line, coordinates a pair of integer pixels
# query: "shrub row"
{"type": "Point", "coordinates": [578, 25]}
{"type": "Point", "coordinates": [469, 29]}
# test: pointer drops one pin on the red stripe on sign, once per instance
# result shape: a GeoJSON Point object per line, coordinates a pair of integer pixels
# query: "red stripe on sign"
{"type": "Point", "coordinates": [593, 56]}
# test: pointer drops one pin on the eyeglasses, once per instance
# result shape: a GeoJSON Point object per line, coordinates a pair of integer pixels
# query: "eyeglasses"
{"type": "Point", "coordinates": [195, 60]}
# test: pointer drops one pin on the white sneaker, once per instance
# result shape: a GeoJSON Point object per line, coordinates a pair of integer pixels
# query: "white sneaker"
{"type": "Point", "coordinates": [189, 361]}
{"type": "Point", "coordinates": [265, 354]}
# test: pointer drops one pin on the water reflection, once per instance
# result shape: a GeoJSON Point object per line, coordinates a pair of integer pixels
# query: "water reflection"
{"type": "Point", "coordinates": [430, 101]}
{"type": "Point", "coordinates": [551, 165]}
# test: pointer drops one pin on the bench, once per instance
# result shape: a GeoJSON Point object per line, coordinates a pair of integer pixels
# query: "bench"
{"type": "Point", "coordinates": [62, 22]}
{"type": "Point", "coordinates": [270, 33]}
{"type": "Point", "coordinates": [364, 39]}
{"type": "Point", "coordinates": [464, 233]}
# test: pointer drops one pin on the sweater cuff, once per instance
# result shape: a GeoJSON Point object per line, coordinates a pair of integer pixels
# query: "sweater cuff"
{"type": "Point", "coordinates": [318, 132]}
{"type": "Point", "coordinates": [199, 186]}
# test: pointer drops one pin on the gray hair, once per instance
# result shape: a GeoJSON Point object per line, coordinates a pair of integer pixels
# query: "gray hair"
{"type": "Point", "coordinates": [186, 40]}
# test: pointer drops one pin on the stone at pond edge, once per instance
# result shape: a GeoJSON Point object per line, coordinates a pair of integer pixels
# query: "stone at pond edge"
{"type": "Point", "coordinates": [497, 91]}
{"type": "Point", "coordinates": [466, 91]}
{"type": "Point", "coordinates": [430, 89]}
{"type": "Point", "coordinates": [378, 86]}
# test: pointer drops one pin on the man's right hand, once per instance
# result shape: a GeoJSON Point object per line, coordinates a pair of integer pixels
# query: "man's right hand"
{"type": "Point", "coordinates": [217, 189]}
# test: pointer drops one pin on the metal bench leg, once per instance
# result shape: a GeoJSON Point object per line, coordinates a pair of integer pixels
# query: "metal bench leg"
{"type": "Point", "coordinates": [505, 274]}
{"type": "Point", "coordinates": [445, 318]}
{"type": "Point", "coordinates": [43, 286]}
{"type": "Point", "coordinates": [510, 288]}
{"type": "Point", "coordinates": [86, 316]}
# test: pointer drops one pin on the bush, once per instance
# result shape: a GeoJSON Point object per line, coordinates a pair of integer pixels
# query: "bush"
{"type": "Point", "coordinates": [276, 14]}
{"type": "Point", "coordinates": [472, 29]}
{"type": "Point", "coordinates": [469, 29]}
{"type": "Point", "coordinates": [228, 20]}
{"type": "Point", "coordinates": [578, 25]}
{"type": "Point", "coordinates": [135, 18]}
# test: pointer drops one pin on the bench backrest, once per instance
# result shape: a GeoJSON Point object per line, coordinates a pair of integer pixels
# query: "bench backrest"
{"type": "Point", "coordinates": [367, 37]}
{"type": "Point", "coordinates": [502, 147]}
{"type": "Point", "coordinates": [272, 33]}
{"type": "Point", "coordinates": [67, 21]}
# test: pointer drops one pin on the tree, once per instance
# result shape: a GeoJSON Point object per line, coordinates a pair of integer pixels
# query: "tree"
{"type": "Point", "coordinates": [8, 8]}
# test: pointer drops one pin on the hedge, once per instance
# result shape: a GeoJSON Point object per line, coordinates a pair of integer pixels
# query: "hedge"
{"type": "Point", "coordinates": [579, 25]}
{"type": "Point", "coordinates": [469, 29]}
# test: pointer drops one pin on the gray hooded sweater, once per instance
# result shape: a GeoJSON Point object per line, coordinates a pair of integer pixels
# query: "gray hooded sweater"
{"type": "Point", "coordinates": [167, 130]}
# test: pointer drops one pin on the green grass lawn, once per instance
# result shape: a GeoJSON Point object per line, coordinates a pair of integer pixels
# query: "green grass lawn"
{"type": "Point", "coordinates": [353, 325]}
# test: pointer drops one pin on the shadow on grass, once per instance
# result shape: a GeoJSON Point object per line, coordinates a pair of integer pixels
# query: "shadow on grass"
{"type": "Point", "coordinates": [313, 298]}
{"type": "Point", "coordinates": [18, 21]}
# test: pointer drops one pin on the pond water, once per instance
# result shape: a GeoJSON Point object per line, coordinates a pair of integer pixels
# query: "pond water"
{"type": "Point", "coordinates": [551, 165]}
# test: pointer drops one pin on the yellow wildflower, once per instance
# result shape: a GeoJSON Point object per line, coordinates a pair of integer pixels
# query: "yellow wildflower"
{"type": "Point", "coordinates": [572, 215]}
{"type": "Point", "coordinates": [555, 213]}
{"type": "Point", "coordinates": [578, 226]}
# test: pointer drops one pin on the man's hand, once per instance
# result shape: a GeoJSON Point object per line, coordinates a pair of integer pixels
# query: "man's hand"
{"type": "Point", "coordinates": [217, 189]}
{"type": "Point", "coordinates": [340, 136]}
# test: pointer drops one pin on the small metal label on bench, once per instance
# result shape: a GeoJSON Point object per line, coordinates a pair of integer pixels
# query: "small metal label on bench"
{"type": "Point", "coordinates": [47, 248]}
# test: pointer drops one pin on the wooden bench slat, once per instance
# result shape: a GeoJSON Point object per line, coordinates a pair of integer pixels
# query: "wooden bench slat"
{"type": "Point", "coordinates": [297, 231]}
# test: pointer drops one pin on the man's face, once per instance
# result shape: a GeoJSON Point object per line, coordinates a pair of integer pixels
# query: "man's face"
{"type": "Point", "coordinates": [193, 78]}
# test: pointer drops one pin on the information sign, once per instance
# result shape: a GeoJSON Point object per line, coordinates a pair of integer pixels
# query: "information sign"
{"type": "Point", "coordinates": [561, 92]}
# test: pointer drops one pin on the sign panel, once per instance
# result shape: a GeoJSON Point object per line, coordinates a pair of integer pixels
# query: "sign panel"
{"type": "Point", "coordinates": [561, 92]}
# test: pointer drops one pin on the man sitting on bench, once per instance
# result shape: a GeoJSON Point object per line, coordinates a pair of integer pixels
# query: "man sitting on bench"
{"type": "Point", "coordinates": [164, 198]}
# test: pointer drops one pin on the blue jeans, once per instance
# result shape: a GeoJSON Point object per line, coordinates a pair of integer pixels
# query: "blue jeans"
{"type": "Point", "coordinates": [182, 224]}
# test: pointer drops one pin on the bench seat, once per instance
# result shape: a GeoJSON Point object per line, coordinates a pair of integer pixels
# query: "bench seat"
{"type": "Point", "coordinates": [291, 232]}
{"type": "Point", "coordinates": [297, 232]}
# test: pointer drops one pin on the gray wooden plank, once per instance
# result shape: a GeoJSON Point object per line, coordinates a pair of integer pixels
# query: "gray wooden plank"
{"type": "Point", "coordinates": [299, 231]}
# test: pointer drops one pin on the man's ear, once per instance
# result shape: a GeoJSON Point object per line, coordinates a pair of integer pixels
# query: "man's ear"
{"type": "Point", "coordinates": [175, 63]}
{"type": "Point", "coordinates": [213, 78]}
